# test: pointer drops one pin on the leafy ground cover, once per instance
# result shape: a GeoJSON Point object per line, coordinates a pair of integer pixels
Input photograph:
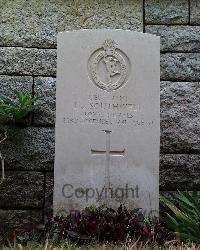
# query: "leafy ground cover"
{"type": "Point", "coordinates": [106, 225]}
{"type": "Point", "coordinates": [100, 225]}
{"type": "Point", "coordinates": [106, 228]}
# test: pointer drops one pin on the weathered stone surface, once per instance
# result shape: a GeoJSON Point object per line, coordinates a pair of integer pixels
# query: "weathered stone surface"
{"type": "Point", "coordinates": [180, 120]}
{"type": "Point", "coordinates": [9, 85]}
{"type": "Point", "coordinates": [180, 66]}
{"type": "Point", "coordinates": [29, 149]}
{"type": "Point", "coordinates": [177, 38]}
{"type": "Point", "coordinates": [36, 23]}
{"type": "Point", "coordinates": [179, 172]}
{"type": "Point", "coordinates": [88, 120]}
{"type": "Point", "coordinates": [49, 185]}
{"type": "Point", "coordinates": [46, 88]}
{"type": "Point", "coordinates": [19, 220]}
{"type": "Point", "coordinates": [195, 11]}
{"type": "Point", "coordinates": [24, 61]}
{"type": "Point", "coordinates": [166, 11]}
{"type": "Point", "coordinates": [22, 189]}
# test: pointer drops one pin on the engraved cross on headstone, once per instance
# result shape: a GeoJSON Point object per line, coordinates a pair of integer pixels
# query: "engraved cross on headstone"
{"type": "Point", "coordinates": [108, 153]}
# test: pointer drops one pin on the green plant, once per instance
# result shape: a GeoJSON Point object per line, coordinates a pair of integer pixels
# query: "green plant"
{"type": "Point", "coordinates": [12, 111]}
{"type": "Point", "coordinates": [103, 224]}
{"type": "Point", "coordinates": [183, 215]}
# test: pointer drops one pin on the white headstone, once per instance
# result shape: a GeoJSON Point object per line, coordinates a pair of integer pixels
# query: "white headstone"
{"type": "Point", "coordinates": [107, 120]}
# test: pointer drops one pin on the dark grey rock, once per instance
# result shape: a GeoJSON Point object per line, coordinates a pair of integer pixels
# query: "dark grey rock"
{"type": "Point", "coordinates": [180, 120]}
{"type": "Point", "coordinates": [180, 66]}
{"type": "Point", "coordinates": [46, 88]}
{"type": "Point", "coordinates": [36, 23]}
{"type": "Point", "coordinates": [19, 220]}
{"type": "Point", "coordinates": [166, 12]}
{"type": "Point", "coordinates": [179, 172]}
{"type": "Point", "coordinates": [49, 185]}
{"type": "Point", "coordinates": [9, 85]}
{"type": "Point", "coordinates": [177, 38]}
{"type": "Point", "coordinates": [23, 61]}
{"type": "Point", "coordinates": [22, 189]}
{"type": "Point", "coordinates": [29, 149]}
{"type": "Point", "coordinates": [195, 12]}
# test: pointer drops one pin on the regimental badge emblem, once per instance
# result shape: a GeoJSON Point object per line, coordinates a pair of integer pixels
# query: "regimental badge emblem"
{"type": "Point", "coordinates": [109, 67]}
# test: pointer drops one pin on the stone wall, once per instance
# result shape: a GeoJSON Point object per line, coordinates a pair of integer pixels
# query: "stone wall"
{"type": "Point", "coordinates": [28, 31]}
